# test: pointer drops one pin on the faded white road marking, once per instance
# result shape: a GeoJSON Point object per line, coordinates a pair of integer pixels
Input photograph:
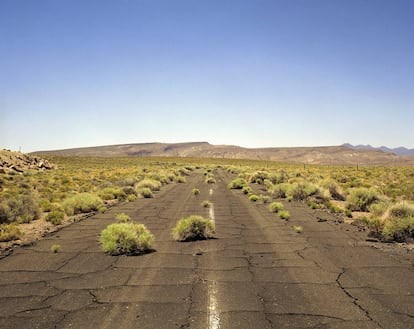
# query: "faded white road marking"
{"type": "Point", "coordinates": [211, 191]}
{"type": "Point", "coordinates": [213, 314]}
{"type": "Point", "coordinates": [211, 212]}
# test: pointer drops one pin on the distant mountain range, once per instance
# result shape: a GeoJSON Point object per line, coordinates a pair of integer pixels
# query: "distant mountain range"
{"type": "Point", "coordinates": [397, 150]}
{"type": "Point", "coordinates": [344, 154]}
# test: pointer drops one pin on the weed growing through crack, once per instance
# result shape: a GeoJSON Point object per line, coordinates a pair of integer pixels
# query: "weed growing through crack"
{"type": "Point", "coordinates": [298, 229]}
{"type": "Point", "coordinates": [122, 218]}
{"type": "Point", "coordinates": [284, 214]}
{"type": "Point", "coordinates": [206, 204]}
{"type": "Point", "coordinates": [195, 191]}
{"type": "Point", "coordinates": [276, 207]}
{"type": "Point", "coordinates": [193, 228]}
{"type": "Point", "coordinates": [55, 248]}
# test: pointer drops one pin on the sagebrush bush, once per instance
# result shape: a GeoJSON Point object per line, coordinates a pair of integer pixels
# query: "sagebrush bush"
{"type": "Point", "coordinates": [195, 191]}
{"type": "Point", "coordinates": [145, 192]}
{"type": "Point", "coordinates": [275, 207]}
{"type": "Point", "coordinates": [152, 184]}
{"type": "Point", "coordinates": [126, 238]}
{"type": "Point", "coordinates": [55, 217]}
{"type": "Point", "coordinates": [258, 177]}
{"type": "Point", "coordinates": [193, 228]}
{"type": "Point", "coordinates": [206, 204]}
{"type": "Point", "coordinates": [360, 198]}
{"type": "Point", "coordinates": [282, 190]}
{"type": "Point", "coordinates": [237, 183]}
{"type": "Point", "coordinates": [82, 203]}
{"type": "Point", "coordinates": [284, 214]}
{"type": "Point", "coordinates": [247, 190]}
{"type": "Point", "coordinates": [9, 232]}
{"type": "Point", "coordinates": [253, 197]}
{"type": "Point", "coordinates": [55, 248]}
{"type": "Point", "coordinates": [399, 223]}
{"type": "Point", "coordinates": [112, 193]}
{"type": "Point", "coordinates": [19, 208]}
{"type": "Point", "coordinates": [122, 218]}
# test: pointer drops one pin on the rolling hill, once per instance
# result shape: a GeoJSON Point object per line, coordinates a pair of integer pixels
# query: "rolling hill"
{"type": "Point", "coordinates": [309, 155]}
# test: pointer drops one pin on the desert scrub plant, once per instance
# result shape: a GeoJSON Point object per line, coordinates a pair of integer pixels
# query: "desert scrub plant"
{"type": "Point", "coordinates": [253, 197]}
{"type": "Point", "coordinates": [237, 183]}
{"type": "Point", "coordinates": [258, 177]}
{"type": "Point", "coordinates": [265, 198]}
{"type": "Point", "coordinates": [247, 190]}
{"type": "Point", "coordinates": [284, 214]}
{"type": "Point", "coordinates": [9, 232]}
{"type": "Point", "coordinates": [102, 209]}
{"type": "Point", "coordinates": [131, 197]}
{"type": "Point", "coordinates": [152, 184]}
{"type": "Point", "coordinates": [55, 217]}
{"type": "Point", "coordinates": [210, 180]}
{"type": "Point", "coordinates": [360, 198]}
{"type": "Point", "coordinates": [195, 191]}
{"type": "Point", "coordinates": [82, 203]}
{"type": "Point", "coordinates": [126, 238]}
{"type": "Point", "coordinates": [122, 218]}
{"type": "Point", "coordinates": [145, 192]}
{"type": "Point", "coordinates": [55, 248]}
{"type": "Point", "coordinates": [206, 204]}
{"type": "Point", "coordinates": [282, 190]}
{"type": "Point", "coordinates": [19, 208]}
{"type": "Point", "coordinates": [275, 207]}
{"type": "Point", "coordinates": [180, 179]}
{"type": "Point", "coordinates": [399, 223]}
{"type": "Point", "coordinates": [112, 193]}
{"type": "Point", "coordinates": [298, 229]}
{"type": "Point", "coordinates": [193, 228]}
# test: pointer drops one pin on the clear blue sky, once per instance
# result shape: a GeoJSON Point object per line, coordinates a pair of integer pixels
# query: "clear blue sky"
{"type": "Point", "coordinates": [252, 73]}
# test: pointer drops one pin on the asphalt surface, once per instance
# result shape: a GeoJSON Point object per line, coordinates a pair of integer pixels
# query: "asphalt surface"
{"type": "Point", "coordinates": [257, 273]}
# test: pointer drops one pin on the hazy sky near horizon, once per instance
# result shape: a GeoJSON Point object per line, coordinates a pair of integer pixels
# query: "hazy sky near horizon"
{"type": "Point", "coordinates": [252, 73]}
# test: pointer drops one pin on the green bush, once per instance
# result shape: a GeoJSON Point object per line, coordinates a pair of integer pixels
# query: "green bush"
{"type": "Point", "coordinates": [82, 203]}
{"type": "Point", "coordinates": [360, 198]}
{"type": "Point", "coordinates": [282, 190]}
{"type": "Point", "coordinates": [193, 228]}
{"type": "Point", "coordinates": [131, 197]}
{"type": "Point", "coordinates": [284, 214]}
{"type": "Point", "coordinates": [145, 192]}
{"type": "Point", "coordinates": [258, 177]}
{"type": "Point", "coordinates": [253, 197]}
{"type": "Point", "coordinates": [55, 217]}
{"type": "Point", "coordinates": [180, 179]}
{"type": "Point", "coordinates": [237, 183]}
{"type": "Point", "coordinates": [112, 193]}
{"type": "Point", "coordinates": [9, 232]}
{"type": "Point", "coordinates": [206, 204]}
{"type": "Point", "coordinates": [275, 207]}
{"type": "Point", "coordinates": [247, 190]}
{"type": "Point", "coordinates": [126, 238]}
{"type": "Point", "coordinates": [152, 184]}
{"type": "Point", "coordinates": [399, 223]}
{"type": "Point", "coordinates": [19, 208]}
{"type": "Point", "coordinates": [195, 191]}
{"type": "Point", "coordinates": [122, 218]}
{"type": "Point", "coordinates": [102, 209]}
{"type": "Point", "coordinates": [55, 248]}
{"type": "Point", "coordinates": [210, 180]}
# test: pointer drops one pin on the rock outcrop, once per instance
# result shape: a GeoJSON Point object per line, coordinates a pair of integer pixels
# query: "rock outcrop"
{"type": "Point", "coordinates": [16, 162]}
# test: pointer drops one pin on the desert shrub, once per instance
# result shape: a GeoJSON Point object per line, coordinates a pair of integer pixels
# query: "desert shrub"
{"type": "Point", "coordinates": [237, 183]}
{"type": "Point", "coordinates": [55, 248]}
{"type": "Point", "coordinates": [284, 214]}
{"type": "Point", "coordinates": [378, 209]}
{"type": "Point", "coordinates": [129, 190]}
{"type": "Point", "coordinates": [301, 191]}
{"type": "Point", "coordinates": [210, 180]}
{"type": "Point", "coordinates": [359, 199]}
{"type": "Point", "coordinates": [126, 238]}
{"type": "Point", "coordinates": [313, 205]}
{"type": "Point", "coordinates": [253, 197]}
{"type": "Point", "coordinates": [298, 229]}
{"type": "Point", "coordinates": [180, 179]}
{"type": "Point", "coordinates": [102, 209]}
{"type": "Point", "coordinates": [9, 232]}
{"type": "Point", "coordinates": [265, 198]}
{"type": "Point", "coordinates": [247, 190]}
{"type": "Point", "coordinates": [145, 193]}
{"type": "Point", "coordinates": [195, 191]}
{"type": "Point", "coordinates": [131, 197]}
{"type": "Point", "coordinates": [258, 177]}
{"type": "Point", "coordinates": [399, 223]}
{"type": "Point", "coordinates": [19, 208]}
{"type": "Point", "coordinates": [55, 217]}
{"type": "Point", "coordinates": [45, 205]}
{"type": "Point", "coordinates": [275, 206]}
{"type": "Point", "coordinates": [348, 213]}
{"type": "Point", "coordinates": [334, 189]}
{"type": "Point", "coordinates": [193, 228]}
{"type": "Point", "coordinates": [152, 184]}
{"type": "Point", "coordinates": [206, 204]}
{"type": "Point", "coordinates": [282, 190]}
{"type": "Point", "coordinates": [111, 193]}
{"type": "Point", "coordinates": [122, 218]}
{"type": "Point", "coordinates": [82, 203]}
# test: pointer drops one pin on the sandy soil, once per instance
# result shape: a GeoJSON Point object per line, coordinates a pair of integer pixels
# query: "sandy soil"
{"type": "Point", "coordinates": [258, 273]}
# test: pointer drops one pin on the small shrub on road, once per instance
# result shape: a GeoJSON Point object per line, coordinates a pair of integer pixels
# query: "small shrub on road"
{"type": "Point", "coordinates": [206, 204]}
{"type": "Point", "coordinates": [195, 191]}
{"type": "Point", "coordinates": [253, 197]}
{"type": "Point", "coordinates": [237, 184]}
{"type": "Point", "coordinates": [126, 238]}
{"type": "Point", "coordinates": [298, 229]}
{"type": "Point", "coordinates": [275, 206]}
{"type": "Point", "coordinates": [284, 214]}
{"type": "Point", "coordinates": [55, 248]}
{"type": "Point", "coordinates": [122, 218]}
{"type": "Point", "coordinates": [193, 228]}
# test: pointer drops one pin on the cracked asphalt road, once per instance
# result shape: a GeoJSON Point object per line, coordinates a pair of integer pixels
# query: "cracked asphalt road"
{"type": "Point", "coordinates": [258, 273]}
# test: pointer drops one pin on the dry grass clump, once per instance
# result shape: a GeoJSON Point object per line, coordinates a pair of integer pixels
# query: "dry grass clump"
{"type": "Point", "coordinates": [19, 209]}
{"type": "Point", "coordinates": [193, 228]}
{"type": "Point", "coordinates": [56, 217]}
{"type": "Point", "coordinates": [126, 238]}
{"type": "Point", "coordinates": [122, 218]}
{"type": "Point", "coordinates": [152, 184]}
{"type": "Point", "coordinates": [275, 207]}
{"type": "Point", "coordinates": [237, 183]}
{"type": "Point", "coordinates": [359, 199]}
{"type": "Point", "coordinates": [9, 232]}
{"type": "Point", "coordinates": [82, 203]}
